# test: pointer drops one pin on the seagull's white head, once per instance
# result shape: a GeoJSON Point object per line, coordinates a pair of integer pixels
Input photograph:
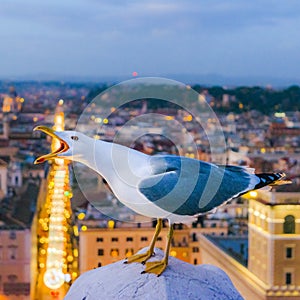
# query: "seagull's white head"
{"type": "Point", "coordinates": [71, 144]}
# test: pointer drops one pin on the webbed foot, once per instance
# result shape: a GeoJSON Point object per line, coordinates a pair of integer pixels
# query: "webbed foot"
{"type": "Point", "coordinates": [155, 267]}
{"type": "Point", "coordinates": [142, 258]}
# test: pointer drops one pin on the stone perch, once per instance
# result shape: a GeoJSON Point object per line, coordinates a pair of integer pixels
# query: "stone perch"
{"type": "Point", "coordinates": [180, 281]}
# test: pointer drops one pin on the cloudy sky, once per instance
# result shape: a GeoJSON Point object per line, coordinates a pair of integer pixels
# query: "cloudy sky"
{"type": "Point", "coordinates": [154, 38]}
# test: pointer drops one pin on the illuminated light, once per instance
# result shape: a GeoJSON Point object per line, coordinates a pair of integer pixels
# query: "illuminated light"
{"type": "Point", "coordinates": [188, 87]}
{"type": "Point", "coordinates": [59, 161]}
{"type": "Point", "coordinates": [128, 253]}
{"type": "Point", "coordinates": [188, 118]}
{"type": "Point", "coordinates": [42, 265]}
{"type": "Point", "coordinates": [169, 118]}
{"type": "Point", "coordinates": [280, 115]}
{"type": "Point", "coordinates": [253, 194]}
{"type": "Point", "coordinates": [61, 102]}
{"type": "Point", "coordinates": [70, 258]}
{"type": "Point", "coordinates": [184, 254]}
{"type": "Point", "coordinates": [263, 150]}
{"type": "Point", "coordinates": [67, 277]}
{"type": "Point", "coordinates": [105, 121]}
{"type": "Point", "coordinates": [114, 253]}
{"type": "Point", "coordinates": [75, 252]}
{"type": "Point", "coordinates": [59, 120]}
{"type": "Point", "coordinates": [111, 224]}
{"type": "Point", "coordinates": [67, 193]}
{"type": "Point", "coordinates": [51, 184]}
{"type": "Point", "coordinates": [112, 109]}
{"type": "Point", "coordinates": [81, 216]}
{"type": "Point", "coordinates": [96, 137]}
{"type": "Point", "coordinates": [173, 253]}
{"type": "Point", "coordinates": [98, 120]}
{"type": "Point", "coordinates": [22, 100]}
{"type": "Point", "coordinates": [35, 119]}
{"type": "Point", "coordinates": [134, 74]}
{"type": "Point", "coordinates": [262, 216]}
{"type": "Point", "coordinates": [14, 118]}
{"type": "Point", "coordinates": [54, 293]}
{"type": "Point", "coordinates": [84, 228]}
{"type": "Point", "coordinates": [256, 213]}
{"type": "Point", "coordinates": [74, 275]}
{"type": "Point", "coordinates": [241, 106]}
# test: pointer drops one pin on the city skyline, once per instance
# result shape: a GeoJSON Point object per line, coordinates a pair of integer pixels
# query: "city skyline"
{"type": "Point", "coordinates": [113, 39]}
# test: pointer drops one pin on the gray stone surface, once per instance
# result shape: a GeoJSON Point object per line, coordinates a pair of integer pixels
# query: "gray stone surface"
{"type": "Point", "coordinates": [180, 281]}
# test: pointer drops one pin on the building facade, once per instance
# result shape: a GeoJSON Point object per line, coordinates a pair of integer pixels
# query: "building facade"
{"type": "Point", "coordinates": [101, 246]}
{"type": "Point", "coordinates": [15, 263]}
{"type": "Point", "coordinates": [273, 270]}
{"type": "Point", "coordinates": [274, 241]}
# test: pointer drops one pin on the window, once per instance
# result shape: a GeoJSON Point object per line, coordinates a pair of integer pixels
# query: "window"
{"type": "Point", "coordinates": [195, 249]}
{"type": "Point", "coordinates": [194, 237]}
{"type": "Point", "coordinates": [144, 239]}
{"type": "Point", "coordinates": [289, 252]}
{"type": "Point", "coordinates": [288, 278]}
{"type": "Point", "coordinates": [12, 251]}
{"type": "Point", "coordinates": [129, 239]}
{"type": "Point", "coordinates": [12, 278]}
{"type": "Point", "coordinates": [114, 239]}
{"type": "Point", "coordinates": [12, 235]}
{"type": "Point", "coordinates": [129, 252]}
{"type": "Point", "coordinates": [289, 224]}
{"type": "Point", "coordinates": [114, 252]}
{"type": "Point", "coordinates": [100, 252]}
{"type": "Point", "coordinates": [99, 239]}
{"type": "Point", "coordinates": [195, 261]}
{"type": "Point", "coordinates": [99, 264]}
{"type": "Point", "coordinates": [159, 238]}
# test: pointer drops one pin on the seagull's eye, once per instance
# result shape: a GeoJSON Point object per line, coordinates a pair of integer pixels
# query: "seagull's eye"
{"type": "Point", "coordinates": [74, 138]}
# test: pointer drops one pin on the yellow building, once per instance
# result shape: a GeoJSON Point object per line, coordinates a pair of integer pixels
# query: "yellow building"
{"type": "Point", "coordinates": [274, 241]}
{"type": "Point", "coordinates": [102, 246]}
{"type": "Point", "coordinates": [273, 270]}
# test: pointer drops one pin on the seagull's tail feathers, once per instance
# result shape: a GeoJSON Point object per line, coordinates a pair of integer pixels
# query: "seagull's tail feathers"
{"type": "Point", "coordinates": [271, 179]}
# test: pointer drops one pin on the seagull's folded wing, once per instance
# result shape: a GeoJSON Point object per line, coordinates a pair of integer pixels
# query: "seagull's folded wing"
{"type": "Point", "coordinates": [188, 187]}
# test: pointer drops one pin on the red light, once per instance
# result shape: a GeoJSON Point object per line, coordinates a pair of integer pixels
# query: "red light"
{"type": "Point", "coordinates": [54, 293]}
{"type": "Point", "coordinates": [134, 74]}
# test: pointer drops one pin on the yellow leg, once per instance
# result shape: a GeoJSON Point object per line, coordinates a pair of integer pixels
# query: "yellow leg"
{"type": "Point", "coordinates": [145, 256]}
{"type": "Point", "coordinates": [157, 267]}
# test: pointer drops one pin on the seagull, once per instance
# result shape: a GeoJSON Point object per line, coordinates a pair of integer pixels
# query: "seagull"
{"type": "Point", "coordinates": [161, 186]}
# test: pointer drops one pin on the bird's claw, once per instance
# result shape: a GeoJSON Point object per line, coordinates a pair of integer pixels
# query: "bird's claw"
{"type": "Point", "coordinates": [155, 267]}
{"type": "Point", "coordinates": [141, 258]}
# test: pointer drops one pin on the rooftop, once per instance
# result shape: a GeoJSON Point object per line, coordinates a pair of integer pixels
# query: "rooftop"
{"type": "Point", "coordinates": [236, 247]}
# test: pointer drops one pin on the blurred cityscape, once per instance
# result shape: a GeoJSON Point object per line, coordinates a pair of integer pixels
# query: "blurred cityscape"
{"type": "Point", "coordinates": [50, 233]}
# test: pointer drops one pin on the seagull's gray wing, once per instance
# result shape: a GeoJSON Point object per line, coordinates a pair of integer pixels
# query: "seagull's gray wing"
{"type": "Point", "coordinates": [187, 186]}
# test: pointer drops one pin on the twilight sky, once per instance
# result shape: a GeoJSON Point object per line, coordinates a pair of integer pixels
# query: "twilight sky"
{"type": "Point", "coordinates": [154, 38]}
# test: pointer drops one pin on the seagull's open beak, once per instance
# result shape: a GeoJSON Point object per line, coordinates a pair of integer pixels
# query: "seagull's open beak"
{"type": "Point", "coordinates": [63, 146]}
